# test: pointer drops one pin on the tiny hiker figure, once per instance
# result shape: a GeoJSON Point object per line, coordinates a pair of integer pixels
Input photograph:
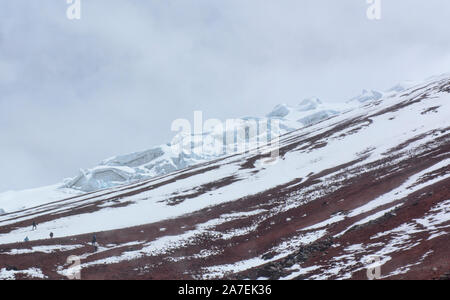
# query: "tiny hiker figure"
{"type": "Point", "coordinates": [34, 226]}
{"type": "Point", "coordinates": [94, 242]}
{"type": "Point", "coordinates": [51, 235]}
{"type": "Point", "coordinates": [26, 240]}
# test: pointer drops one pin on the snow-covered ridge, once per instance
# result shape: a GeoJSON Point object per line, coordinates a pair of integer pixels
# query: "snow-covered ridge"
{"type": "Point", "coordinates": [164, 159]}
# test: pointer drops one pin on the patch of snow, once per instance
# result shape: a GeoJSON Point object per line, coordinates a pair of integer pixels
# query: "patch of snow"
{"type": "Point", "coordinates": [44, 249]}
{"type": "Point", "coordinates": [28, 273]}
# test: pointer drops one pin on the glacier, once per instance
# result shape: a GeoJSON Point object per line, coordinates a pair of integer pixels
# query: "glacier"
{"type": "Point", "coordinates": [164, 159]}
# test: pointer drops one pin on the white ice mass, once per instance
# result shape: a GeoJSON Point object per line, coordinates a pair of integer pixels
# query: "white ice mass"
{"type": "Point", "coordinates": [164, 159]}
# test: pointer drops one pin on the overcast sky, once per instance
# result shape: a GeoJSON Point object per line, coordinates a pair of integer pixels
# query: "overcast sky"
{"type": "Point", "coordinates": [75, 92]}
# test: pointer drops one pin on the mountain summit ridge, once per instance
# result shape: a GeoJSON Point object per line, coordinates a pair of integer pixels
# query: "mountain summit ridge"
{"type": "Point", "coordinates": [163, 159]}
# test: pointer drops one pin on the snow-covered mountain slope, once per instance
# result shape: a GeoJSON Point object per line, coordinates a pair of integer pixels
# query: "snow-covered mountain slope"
{"type": "Point", "coordinates": [368, 187]}
{"type": "Point", "coordinates": [164, 159]}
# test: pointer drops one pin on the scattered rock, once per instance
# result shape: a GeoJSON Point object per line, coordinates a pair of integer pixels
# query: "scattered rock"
{"type": "Point", "coordinates": [446, 276]}
{"type": "Point", "coordinates": [276, 270]}
{"type": "Point", "coordinates": [268, 256]}
{"type": "Point", "coordinates": [11, 268]}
